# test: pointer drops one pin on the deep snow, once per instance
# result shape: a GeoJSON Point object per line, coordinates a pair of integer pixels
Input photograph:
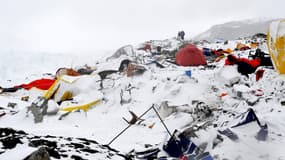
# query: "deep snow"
{"type": "Point", "coordinates": [156, 86]}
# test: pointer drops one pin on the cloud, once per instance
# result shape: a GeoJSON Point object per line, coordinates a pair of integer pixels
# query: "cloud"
{"type": "Point", "coordinates": [81, 26]}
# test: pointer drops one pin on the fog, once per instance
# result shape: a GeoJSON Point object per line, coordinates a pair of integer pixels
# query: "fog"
{"type": "Point", "coordinates": [90, 25]}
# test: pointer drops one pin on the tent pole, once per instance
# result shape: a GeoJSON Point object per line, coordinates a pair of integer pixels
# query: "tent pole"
{"type": "Point", "coordinates": [161, 120]}
{"type": "Point", "coordinates": [128, 127]}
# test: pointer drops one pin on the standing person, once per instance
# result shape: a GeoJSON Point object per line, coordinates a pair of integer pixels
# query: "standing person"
{"type": "Point", "coordinates": [182, 34]}
{"type": "Point", "coordinates": [179, 35]}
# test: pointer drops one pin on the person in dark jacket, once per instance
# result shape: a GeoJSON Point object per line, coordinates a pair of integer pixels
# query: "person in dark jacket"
{"type": "Point", "coordinates": [245, 66]}
{"type": "Point", "coordinates": [265, 59]}
{"type": "Point", "coordinates": [181, 35]}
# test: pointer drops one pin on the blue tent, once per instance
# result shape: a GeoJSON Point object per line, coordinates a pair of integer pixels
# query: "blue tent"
{"type": "Point", "coordinates": [245, 118]}
{"type": "Point", "coordinates": [180, 146]}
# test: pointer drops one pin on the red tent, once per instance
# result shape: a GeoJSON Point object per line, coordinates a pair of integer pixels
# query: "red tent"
{"type": "Point", "coordinates": [190, 55]}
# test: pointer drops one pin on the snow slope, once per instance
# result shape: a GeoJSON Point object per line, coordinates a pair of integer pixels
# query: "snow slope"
{"type": "Point", "coordinates": [235, 29]}
{"type": "Point", "coordinates": [158, 87]}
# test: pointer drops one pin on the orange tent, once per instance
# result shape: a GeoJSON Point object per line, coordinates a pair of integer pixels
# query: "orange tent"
{"type": "Point", "coordinates": [241, 45]}
{"type": "Point", "coordinates": [253, 45]}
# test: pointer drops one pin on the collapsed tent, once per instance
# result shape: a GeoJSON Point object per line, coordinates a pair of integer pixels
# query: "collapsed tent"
{"type": "Point", "coordinates": [42, 84]}
{"type": "Point", "coordinates": [254, 45]}
{"type": "Point", "coordinates": [179, 146]}
{"type": "Point", "coordinates": [242, 47]}
{"type": "Point", "coordinates": [259, 35]}
{"type": "Point", "coordinates": [127, 50]}
{"type": "Point", "coordinates": [67, 88]}
{"type": "Point", "coordinates": [86, 70]}
{"type": "Point", "coordinates": [207, 51]}
{"type": "Point", "coordinates": [190, 55]}
{"type": "Point", "coordinates": [245, 118]}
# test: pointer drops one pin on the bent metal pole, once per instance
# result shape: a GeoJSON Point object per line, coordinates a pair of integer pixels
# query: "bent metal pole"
{"type": "Point", "coordinates": [161, 120]}
{"type": "Point", "coordinates": [156, 112]}
{"type": "Point", "coordinates": [128, 126]}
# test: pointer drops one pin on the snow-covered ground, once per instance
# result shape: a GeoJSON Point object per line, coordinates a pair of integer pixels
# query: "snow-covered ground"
{"type": "Point", "coordinates": [155, 86]}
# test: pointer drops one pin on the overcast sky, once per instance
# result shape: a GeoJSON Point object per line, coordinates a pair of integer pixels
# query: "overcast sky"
{"type": "Point", "coordinates": [90, 25]}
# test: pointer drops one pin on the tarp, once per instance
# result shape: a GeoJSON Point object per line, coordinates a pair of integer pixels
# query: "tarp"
{"type": "Point", "coordinates": [245, 118]}
{"type": "Point", "coordinates": [84, 107]}
{"type": "Point", "coordinates": [65, 87]}
{"type": "Point", "coordinates": [239, 46]}
{"type": "Point", "coordinates": [207, 51]}
{"type": "Point", "coordinates": [190, 55]}
{"type": "Point", "coordinates": [43, 84]}
{"type": "Point", "coordinates": [66, 71]}
{"type": "Point", "coordinates": [127, 50]}
{"type": "Point", "coordinates": [180, 146]}
{"type": "Point", "coordinates": [276, 44]}
{"type": "Point", "coordinates": [254, 45]}
{"type": "Point", "coordinates": [252, 62]}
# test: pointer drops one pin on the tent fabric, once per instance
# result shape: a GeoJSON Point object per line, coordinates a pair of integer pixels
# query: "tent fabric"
{"type": "Point", "coordinates": [149, 154]}
{"type": "Point", "coordinates": [66, 87]}
{"type": "Point", "coordinates": [240, 45]}
{"type": "Point", "coordinates": [253, 63]}
{"type": "Point", "coordinates": [180, 146]}
{"type": "Point", "coordinates": [127, 50]}
{"type": "Point", "coordinates": [190, 55]}
{"type": "Point", "coordinates": [207, 51]}
{"type": "Point", "coordinates": [66, 71]}
{"type": "Point", "coordinates": [229, 133]}
{"type": "Point", "coordinates": [247, 117]}
{"type": "Point", "coordinates": [228, 50]}
{"type": "Point", "coordinates": [254, 45]}
{"type": "Point", "coordinates": [42, 84]}
{"type": "Point", "coordinates": [276, 44]}
{"type": "Point", "coordinates": [244, 48]}
{"type": "Point", "coordinates": [84, 107]}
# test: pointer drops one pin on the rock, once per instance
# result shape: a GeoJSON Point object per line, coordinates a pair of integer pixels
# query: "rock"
{"type": "Point", "coordinates": [10, 142]}
{"type": "Point", "coordinates": [75, 157]}
{"type": "Point", "coordinates": [40, 154]}
{"type": "Point", "coordinates": [54, 147]}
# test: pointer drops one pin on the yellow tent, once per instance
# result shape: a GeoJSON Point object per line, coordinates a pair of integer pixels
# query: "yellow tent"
{"type": "Point", "coordinates": [276, 44]}
{"type": "Point", "coordinates": [55, 87]}
{"type": "Point", "coordinates": [84, 107]}
{"type": "Point", "coordinates": [64, 94]}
